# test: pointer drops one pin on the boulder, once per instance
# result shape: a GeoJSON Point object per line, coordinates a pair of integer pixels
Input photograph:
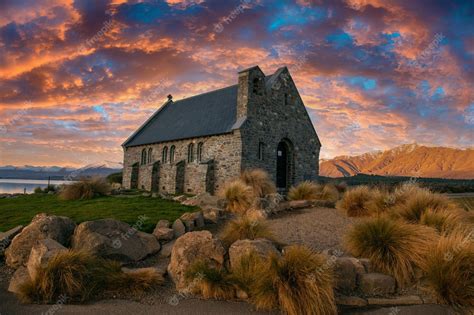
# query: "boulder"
{"type": "Point", "coordinates": [41, 227]}
{"type": "Point", "coordinates": [20, 276]}
{"type": "Point", "coordinates": [373, 284]}
{"type": "Point", "coordinates": [399, 300]}
{"type": "Point", "coordinates": [367, 264]}
{"type": "Point", "coordinates": [351, 301]}
{"type": "Point", "coordinates": [163, 224]}
{"type": "Point", "coordinates": [41, 253]}
{"type": "Point", "coordinates": [202, 200]}
{"type": "Point", "coordinates": [193, 220]}
{"type": "Point", "coordinates": [180, 198]}
{"type": "Point", "coordinates": [178, 228]}
{"type": "Point", "coordinates": [346, 271]}
{"type": "Point", "coordinates": [6, 238]}
{"type": "Point", "coordinates": [164, 234]}
{"type": "Point", "coordinates": [212, 215]}
{"type": "Point", "coordinates": [261, 247]}
{"type": "Point", "coordinates": [192, 247]}
{"type": "Point", "coordinates": [294, 204]}
{"type": "Point", "coordinates": [166, 249]}
{"type": "Point", "coordinates": [270, 203]}
{"type": "Point", "coordinates": [115, 240]}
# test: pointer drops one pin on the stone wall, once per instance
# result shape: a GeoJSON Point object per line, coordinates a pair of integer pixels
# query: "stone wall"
{"type": "Point", "coordinates": [276, 113]}
{"type": "Point", "coordinates": [222, 150]}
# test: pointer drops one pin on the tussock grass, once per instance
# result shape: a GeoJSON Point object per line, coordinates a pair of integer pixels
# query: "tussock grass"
{"type": "Point", "coordinates": [445, 221]}
{"type": "Point", "coordinates": [297, 283]}
{"type": "Point", "coordinates": [355, 201]}
{"type": "Point", "coordinates": [260, 182]}
{"type": "Point", "coordinates": [245, 228]}
{"type": "Point", "coordinates": [380, 202]}
{"type": "Point", "coordinates": [449, 268]}
{"type": "Point", "coordinates": [85, 189]}
{"type": "Point", "coordinates": [393, 246]}
{"type": "Point", "coordinates": [80, 276]}
{"type": "Point", "coordinates": [418, 202]}
{"type": "Point", "coordinates": [211, 283]}
{"type": "Point", "coordinates": [239, 196]}
{"type": "Point", "coordinates": [310, 191]}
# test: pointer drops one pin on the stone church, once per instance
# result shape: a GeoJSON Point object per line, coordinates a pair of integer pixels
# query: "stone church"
{"type": "Point", "coordinates": [197, 144]}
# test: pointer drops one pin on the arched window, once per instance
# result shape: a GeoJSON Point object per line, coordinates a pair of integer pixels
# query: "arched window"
{"type": "Point", "coordinates": [199, 151]}
{"type": "Point", "coordinates": [261, 150]}
{"type": "Point", "coordinates": [190, 152]}
{"type": "Point", "coordinates": [172, 149]}
{"type": "Point", "coordinates": [150, 155]}
{"type": "Point", "coordinates": [256, 86]}
{"type": "Point", "coordinates": [143, 156]}
{"type": "Point", "coordinates": [164, 155]}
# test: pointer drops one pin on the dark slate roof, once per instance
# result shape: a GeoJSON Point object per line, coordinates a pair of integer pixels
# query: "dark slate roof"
{"type": "Point", "coordinates": [206, 114]}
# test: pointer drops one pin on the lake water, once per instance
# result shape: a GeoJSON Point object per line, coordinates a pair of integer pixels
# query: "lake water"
{"type": "Point", "coordinates": [11, 186]}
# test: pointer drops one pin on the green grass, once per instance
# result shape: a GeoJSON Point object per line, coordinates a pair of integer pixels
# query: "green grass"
{"type": "Point", "coordinates": [20, 211]}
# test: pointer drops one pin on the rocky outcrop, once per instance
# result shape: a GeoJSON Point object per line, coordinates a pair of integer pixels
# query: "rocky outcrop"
{"type": "Point", "coordinates": [6, 238]}
{"type": "Point", "coordinates": [241, 248]}
{"type": "Point", "coordinates": [114, 240]}
{"type": "Point", "coordinates": [213, 215]}
{"type": "Point", "coordinates": [163, 224]}
{"type": "Point", "coordinates": [192, 220]}
{"type": "Point", "coordinates": [41, 253]}
{"type": "Point", "coordinates": [41, 227]}
{"type": "Point", "coordinates": [192, 247]}
{"type": "Point", "coordinates": [163, 234]}
{"type": "Point", "coordinates": [20, 276]}
{"type": "Point", "coordinates": [346, 271]}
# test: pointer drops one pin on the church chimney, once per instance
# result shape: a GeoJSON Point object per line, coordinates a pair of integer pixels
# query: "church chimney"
{"type": "Point", "coordinates": [251, 85]}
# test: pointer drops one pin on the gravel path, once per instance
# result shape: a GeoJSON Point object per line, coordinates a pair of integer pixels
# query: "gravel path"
{"type": "Point", "coordinates": [318, 228]}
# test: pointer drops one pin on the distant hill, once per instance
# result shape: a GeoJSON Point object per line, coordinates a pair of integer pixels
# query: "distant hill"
{"type": "Point", "coordinates": [406, 160]}
{"type": "Point", "coordinates": [58, 173]}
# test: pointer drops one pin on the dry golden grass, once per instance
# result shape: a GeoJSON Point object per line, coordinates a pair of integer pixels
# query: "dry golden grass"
{"type": "Point", "coordinates": [445, 221]}
{"type": "Point", "coordinates": [394, 247]}
{"type": "Point", "coordinates": [420, 201]}
{"type": "Point", "coordinates": [80, 276]}
{"type": "Point", "coordinates": [449, 268]}
{"type": "Point", "coordinates": [245, 228]}
{"type": "Point", "coordinates": [260, 182]}
{"type": "Point", "coordinates": [406, 190]}
{"type": "Point", "coordinates": [297, 283]}
{"type": "Point", "coordinates": [355, 201]}
{"type": "Point", "coordinates": [310, 191]}
{"type": "Point", "coordinates": [239, 196]}
{"type": "Point", "coordinates": [380, 202]}
{"type": "Point", "coordinates": [210, 283]}
{"type": "Point", "coordinates": [85, 189]}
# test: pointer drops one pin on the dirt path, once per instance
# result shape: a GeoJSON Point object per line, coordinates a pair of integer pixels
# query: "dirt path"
{"type": "Point", "coordinates": [318, 228]}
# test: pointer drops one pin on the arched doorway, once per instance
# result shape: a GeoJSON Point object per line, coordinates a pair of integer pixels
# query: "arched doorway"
{"type": "Point", "coordinates": [284, 173]}
{"type": "Point", "coordinates": [155, 177]}
{"type": "Point", "coordinates": [134, 176]}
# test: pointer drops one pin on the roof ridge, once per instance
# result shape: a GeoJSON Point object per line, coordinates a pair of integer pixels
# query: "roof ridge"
{"type": "Point", "coordinates": [188, 98]}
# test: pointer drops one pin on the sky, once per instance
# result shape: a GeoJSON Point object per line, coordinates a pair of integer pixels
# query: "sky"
{"type": "Point", "coordinates": [78, 77]}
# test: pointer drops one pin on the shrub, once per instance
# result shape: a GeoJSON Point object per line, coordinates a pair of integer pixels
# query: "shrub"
{"type": "Point", "coordinates": [38, 190]}
{"type": "Point", "coordinates": [444, 221]}
{"type": "Point", "coordinates": [259, 181]}
{"type": "Point", "coordinates": [115, 178]}
{"type": "Point", "coordinates": [355, 201]}
{"type": "Point", "coordinates": [245, 228]}
{"type": "Point", "coordinates": [304, 191]}
{"type": "Point", "coordinates": [420, 201]}
{"type": "Point", "coordinates": [80, 276]}
{"type": "Point", "coordinates": [244, 273]}
{"type": "Point", "coordinates": [298, 282]}
{"type": "Point", "coordinates": [380, 202]}
{"type": "Point", "coordinates": [405, 190]}
{"type": "Point", "coordinates": [341, 187]}
{"type": "Point", "coordinates": [239, 196]}
{"type": "Point", "coordinates": [449, 269]}
{"type": "Point", "coordinates": [211, 283]}
{"type": "Point", "coordinates": [394, 247]}
{"type": "Point", "coordinates": [85, 189]}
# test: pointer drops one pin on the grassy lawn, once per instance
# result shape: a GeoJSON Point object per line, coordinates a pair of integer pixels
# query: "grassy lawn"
{"type": "Point", "coordinates": [16, 211]}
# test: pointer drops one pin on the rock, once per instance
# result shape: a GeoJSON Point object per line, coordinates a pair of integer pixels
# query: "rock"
{"type": "Point", "coordinates": [41, 227]}
{"type": "Point", "coordinates": [115, 240]}
{"type": "Point", "coordinates": [345, 271]}
{"type": "Point", "coordinates": [163, 224]}
{"type": "Point", "coordinates": [294, 204]}
{"type": "Point", "coordinates": [164, 234]}
{"type": "Point", "coordinates": [20, 276]}
{"type": "Point", "coordinates": [166, 249]}
{"type": "Point", "coordinates": [6, 238]}
{"type": "Point", "coordinates": [241, 294]}
{"type": "Point", "coordinates": [180, 198]}
{"type": "Point", "coordinates": [192, 247]}
{"type": "Point", "coordinates": [271, 203]}
{"type": "Point", "coordinates": [261, 247]}
{"type": "Point", "coordinates": [145, 194]}
{"type": "Point", "coordinates": [256, 214]}
{"type": "Point", "coordinates": [372, 284]}
{"type": "Point", "coordinates": [133, 271]}
{"type": "Point", "coordinates": [178, 228]}
{"type": "Point", "coordinates": [201, 200]}
{"type": "Point", "coordinates": [41, 253]}
{"type": "Point", "coordinates": [212, 215]}
{"type": "Point", "coordinates": [192, 220]}
{"type": "Point", "coordinates": [353, 301]}
{"type": "Point", "coordinates": [367, 264]}
{"type": "Point", "coordinates": [400, 300]}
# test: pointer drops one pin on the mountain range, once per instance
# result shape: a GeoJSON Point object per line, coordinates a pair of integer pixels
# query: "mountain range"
{"type": "Point", "coordinates": [406, 160]}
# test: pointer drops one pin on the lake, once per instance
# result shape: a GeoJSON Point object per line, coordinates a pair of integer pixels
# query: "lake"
{"type": "Point", "coordinates": [12, 186]}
